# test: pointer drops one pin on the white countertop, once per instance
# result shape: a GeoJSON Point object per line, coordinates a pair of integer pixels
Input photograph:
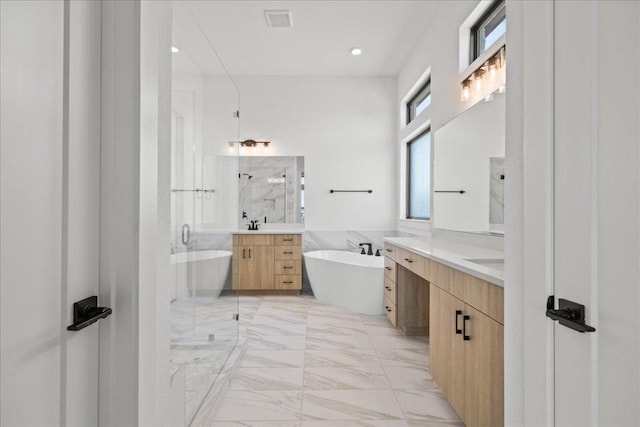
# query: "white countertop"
{"type": "Point", "coordinates": [455, 255]}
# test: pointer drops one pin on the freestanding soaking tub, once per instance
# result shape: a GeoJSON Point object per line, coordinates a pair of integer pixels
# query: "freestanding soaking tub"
{"type": "Point", "coordinates": [347, 280]}
{"type": "Point", "coordinates": [200, 273]}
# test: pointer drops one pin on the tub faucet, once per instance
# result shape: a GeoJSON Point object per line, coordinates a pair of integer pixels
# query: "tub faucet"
{"type": "Point", "coordinates": [370, 251]}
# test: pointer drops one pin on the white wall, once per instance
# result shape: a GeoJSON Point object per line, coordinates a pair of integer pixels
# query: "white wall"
{"type": "Point", "coordinates": [438, 50]}
{"type": "Point", "coordinates": [344, 128]}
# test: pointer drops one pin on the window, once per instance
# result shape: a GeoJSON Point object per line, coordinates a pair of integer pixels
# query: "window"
{"type": "Point", "coordinates": [419, 176]}
{"type": "Point", "coordinates": [489, 28]}
{"type": "Point", "coordinates": [419, 102]}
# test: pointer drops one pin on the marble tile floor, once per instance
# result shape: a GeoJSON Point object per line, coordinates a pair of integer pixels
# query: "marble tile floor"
{"type": "Point", "coordinates": [309, 364]}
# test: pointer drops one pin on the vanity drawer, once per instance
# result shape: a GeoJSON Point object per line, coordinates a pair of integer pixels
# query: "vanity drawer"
{"type": "Point", "coordinates": [287, 252]}
{"type": "Point", "coordinates": [390, 268]}
{"type": "Point", "coordinates": [390, 311]}
{"type": "Point", "coordinates": [410, 261]}
{"type": "Point", "coordinates": [255, 239]}
{"type": "Point", "coordinates": [390, 290]}
{"type": "Point", "coordinates": [390, 251]}
{"type": "Point", "coordinates": [288, 266]}
{"type": "Point", "coordinates": [288, 281]}
{"type": "Point", "coordinates": [286, 239]}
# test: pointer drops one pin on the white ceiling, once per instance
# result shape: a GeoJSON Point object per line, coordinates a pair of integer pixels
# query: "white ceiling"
{"type": "Point", "coordinates": [317, 45]}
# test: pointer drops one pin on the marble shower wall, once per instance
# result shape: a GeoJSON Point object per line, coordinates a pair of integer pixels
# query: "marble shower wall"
{"type": "Point", "coordinates": [270, 189]}
{"type": "Point", "coordinates": [496, 202]}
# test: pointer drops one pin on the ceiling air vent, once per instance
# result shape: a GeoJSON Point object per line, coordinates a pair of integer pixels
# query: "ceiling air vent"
{"type": "Point", "coordinates": [279, 18]}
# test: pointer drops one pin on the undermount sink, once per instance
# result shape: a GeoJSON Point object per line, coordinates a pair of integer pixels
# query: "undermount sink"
{"type": "Point", "coordinates": [497, 263]}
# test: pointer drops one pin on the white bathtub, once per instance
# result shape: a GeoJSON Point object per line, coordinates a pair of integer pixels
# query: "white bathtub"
{"type": "Point", "coordinates": [347, 279]}
{"type": "Point", "coordinates": [200, 273]}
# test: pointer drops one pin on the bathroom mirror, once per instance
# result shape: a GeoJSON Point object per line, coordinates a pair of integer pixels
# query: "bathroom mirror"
{"type": "Point", "coordinates": [468, 175]}
{"type": "Point", "coordinates": [271, 189]}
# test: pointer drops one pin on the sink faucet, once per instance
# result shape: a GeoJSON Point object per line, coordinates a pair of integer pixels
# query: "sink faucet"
{"type": "Point", "coordinates": [370, 251]}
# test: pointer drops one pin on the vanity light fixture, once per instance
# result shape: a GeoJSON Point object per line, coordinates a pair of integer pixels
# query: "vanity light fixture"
{"type": "Point", "coordinates": [355, 51]}
{"type": "Point", "coordinates": [250, 143]}
{"type": "Point", "coordinates": [485, 74]}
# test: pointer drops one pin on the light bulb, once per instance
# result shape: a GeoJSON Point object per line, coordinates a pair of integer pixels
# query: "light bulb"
{"type": "Point", "coordinates": [492, 66]}
{"type": "Point", "coordinates": [466, 90]}
{"type": "Point", "coordinates": [477, 77]}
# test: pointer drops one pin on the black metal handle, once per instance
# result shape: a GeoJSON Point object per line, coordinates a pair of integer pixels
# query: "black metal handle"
{"type": "Point", "coordinates": [388, 250]}
{"type": "Point", "coordinates": [387, 308]}
{"type": "Point", "coordinates": [287, 281]}
{"type": "Point", "coordinates": [458, 330]}
{"type": "Point", "coordinates": [389, 268]}
{"type": "Point", "coordinates": [286, 267]}
{"type": "Point", "coordinates": [287, 240]}
{"type": "Point", "coordinates": [243, 253]}
{"type": "Point", "coordinates": [387, 288]}
{"type": "Point", "coordinates": [408, 260]}
{"type": "Point", "coordinates": [464, 328]}
{"type": "Point", "coordinates": [287, 253]}
{"type": "Point", "coordinates": [249, 253]}
{"type": "Point", "coordinates": [569, 314]}
{"type": "Point", "coordinates": [87, 312]}
{"type": "Point", "coordinates": [350, 191]}
{"type": "Point", "coordinates": [450, 191]}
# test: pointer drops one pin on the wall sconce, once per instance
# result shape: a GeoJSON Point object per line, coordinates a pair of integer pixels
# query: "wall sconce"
{"type": "Point", "coordinates": [484, 75]}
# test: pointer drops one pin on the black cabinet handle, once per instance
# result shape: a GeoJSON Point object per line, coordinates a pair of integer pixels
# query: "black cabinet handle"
{"type": "Point", "coordinates": [458, 330]}
{"type": "Point", "coordinates": [286, 267]}
{"type": "Point", "coordinates": [287, 281]}
{"type": "Point", "coordinates": [388, 250]}
{"type": "Point", "coordinates": [387, 288]}
{"type": "Point", "coordinates": [249, 253]}
{"type": "Point", "coordinates": [243, 253]}
{"type": "Point", "coordinates": [464, 328]}
{"type": "Point", "coordinates": [287, 253]}
{"type": "Point", "coordinates": [287, 240]}
{"type": "Point", "coordinates": [387, 308]}
{"type": "Point", "coordinates": [408, 260]}
{"type": "Point", "coordinates": [86, 312]}
{"type": "Point", "coordinates": [389, 268]}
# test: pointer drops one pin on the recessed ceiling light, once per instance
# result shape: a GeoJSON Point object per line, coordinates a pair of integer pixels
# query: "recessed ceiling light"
{"type": "Point", "coordinates": [174, 49]}
{"type": "Point", "coordinates": [355, 51]}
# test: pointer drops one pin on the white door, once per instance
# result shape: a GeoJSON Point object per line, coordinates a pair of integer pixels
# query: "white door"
{"type": "Point", "coordinates": [50, 205]}
{"type": "Point", "coordinates": [597, 210]}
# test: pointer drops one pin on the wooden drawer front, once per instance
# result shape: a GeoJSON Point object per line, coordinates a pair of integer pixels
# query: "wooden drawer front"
{"type": "Point", "coordinates": [287, 239]}
{"type": "Point", "coordinates": [288, 281]}
{"type": "Point", "coordinates": [288, 252]}
{"type": "Point", "coordinates": [390, 251]}
{"type": "Point", "coordinates": [288, 266]}
{"type": "Point", "coordinates": [390, 310]}
{"type": "Point", "coordinates": [426, 269]}
{"type": "Point", "coordinates": [483, 296]}
{"type": "Point", "coordinates": [390, 290]}
{"type": "Point", "coordinates": [410, 261]}
{"type": "Point", "coordinates": [390, 268]}
{"type": "Point", "coordinates": [256, 239]}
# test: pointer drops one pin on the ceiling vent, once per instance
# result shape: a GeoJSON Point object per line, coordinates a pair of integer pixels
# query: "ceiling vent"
{"type": "Point", "coordinates": [279, 18]}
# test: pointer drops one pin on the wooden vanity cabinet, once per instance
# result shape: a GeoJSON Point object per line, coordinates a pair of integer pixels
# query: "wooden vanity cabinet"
{"type": "Point", "coordinates": [470, 371]}
{"type": "Point", "coordinates": [267, 262]}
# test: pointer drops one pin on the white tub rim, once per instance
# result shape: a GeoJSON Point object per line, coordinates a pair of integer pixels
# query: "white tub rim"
{"type": "Point", "coordinates": [353, 258]}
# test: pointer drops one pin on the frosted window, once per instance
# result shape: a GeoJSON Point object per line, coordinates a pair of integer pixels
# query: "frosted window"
{"type": "Point", "coordinates": [419, 177]}
{"type": "Point", "coordinates": [419, 102]}
{"type": "Point", "coordinates": [489, 28]}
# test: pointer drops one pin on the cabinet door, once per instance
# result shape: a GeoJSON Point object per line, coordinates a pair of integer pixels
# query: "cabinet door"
{"type": "Point", "coordinates": [483, 370]}
{"type": "Point", "coordinates": [456, 377]}
{"type": "Point", "coordinates": [256, 267]}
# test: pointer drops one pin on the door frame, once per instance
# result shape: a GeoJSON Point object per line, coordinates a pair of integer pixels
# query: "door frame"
{"type": "Point", "coordinates": [135, 212]}
{"type": "Point", "coordinates": [529, 203]}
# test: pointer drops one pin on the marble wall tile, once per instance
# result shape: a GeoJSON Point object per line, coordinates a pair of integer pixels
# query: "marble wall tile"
{"type": "Point", "coordinates": [496, 203]}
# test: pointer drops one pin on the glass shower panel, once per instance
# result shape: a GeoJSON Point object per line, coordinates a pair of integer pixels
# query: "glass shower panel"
{"type": "Point", "coordinates": [204, 203]}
